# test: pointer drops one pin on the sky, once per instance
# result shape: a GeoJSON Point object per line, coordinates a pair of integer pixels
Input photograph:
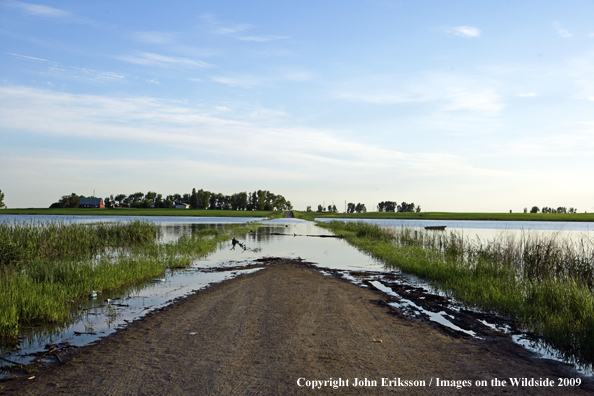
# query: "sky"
{"type": "Point", "coordinates": [454, 105]}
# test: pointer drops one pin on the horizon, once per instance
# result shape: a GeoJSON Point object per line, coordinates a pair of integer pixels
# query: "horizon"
{"type": "Point", "coordinates": [455, 106]}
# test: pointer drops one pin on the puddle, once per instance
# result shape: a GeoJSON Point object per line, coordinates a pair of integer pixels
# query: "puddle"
{"type": "Point", "coordinates": [288, 238]}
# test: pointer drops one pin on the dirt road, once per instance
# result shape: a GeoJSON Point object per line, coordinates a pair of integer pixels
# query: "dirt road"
{"type": "Point", "coordinates": [276, 331]}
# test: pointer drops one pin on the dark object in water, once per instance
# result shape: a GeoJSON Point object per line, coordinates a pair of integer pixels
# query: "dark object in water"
{"type": "Point", "coordinates": [437, 228]}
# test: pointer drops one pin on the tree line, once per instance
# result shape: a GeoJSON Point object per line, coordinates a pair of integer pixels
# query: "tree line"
{"type": "Point", "coordinates": [546, 209]}
{"type": "Point", "coordinates": [390, 206]}
{"type": "Point", "coordinates": [201, 199]}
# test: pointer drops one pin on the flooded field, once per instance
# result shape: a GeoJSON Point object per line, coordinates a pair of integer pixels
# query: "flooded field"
{"type": "Point", "coordinates": [289, 238]}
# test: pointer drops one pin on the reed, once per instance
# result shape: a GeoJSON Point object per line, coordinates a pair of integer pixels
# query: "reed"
{"type": "Point", "coordinates": [545, 283]}
{"type": "Point", "coordinates": [29, 241]}
{"type": "Point", "coordinates": [44, 287]}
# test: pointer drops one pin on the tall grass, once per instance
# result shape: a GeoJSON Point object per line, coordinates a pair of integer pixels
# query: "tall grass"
{"type": "Point", "coordinates": [29, 241]}
{"type": "Point", "coordinates": [546, 283]}
{"type": "Point", "coordinates": [41, 287]}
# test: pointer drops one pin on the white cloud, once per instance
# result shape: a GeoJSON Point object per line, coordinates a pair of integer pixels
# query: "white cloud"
{"type": "Point", "coordinates": [248, 137]}
{"type": "Point", "coordinates": [464, 31]}
{"type": "Point", "coordinates": [562, 31]}
{"type": "Point", "coordinates": [447, 92]}
{"type": "Point", "coordinates": [40, 10]}
{"type": "Point", "coordinates": [152, 59]}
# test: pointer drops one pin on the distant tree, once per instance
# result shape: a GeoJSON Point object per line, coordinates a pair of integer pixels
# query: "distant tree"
{"type": "Point", "coordinates": [67, 201]}
{"type": "Point", "coordinates": [2, 205]}
{"type": "Point", "coordinates": [120, 199]}
{"type": "Point", "coordinates": [561, 209]}
{"type": "Point", "coordinates": [386, 206]}
{"type": "Point", "coordinates": [360, 208]}
{"type": "Point", "coordinates": [108, 202]}
{"type": "Point", "coordinates": [406, 207]}
{"type": "Point", "coordinates": [525, 210]}
{"type": "Point", "coordinates": [535, 209]}
{"type": "Point", "coordinates": [320, 208]}
{"type": "Point", "coordinates": [418, 209]}
{"type": "Point", "coordinates": [351, 207]}
{"type": "Point", "coordinates": [151, 195]}
{"type": "Point", "coordinates": [308, 209]}
{"type": "Point", "coordinates": [194, 199]}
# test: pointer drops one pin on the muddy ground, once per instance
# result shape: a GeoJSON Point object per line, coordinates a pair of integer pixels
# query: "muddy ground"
{"type": "Point", "coordinates": [276, 331]}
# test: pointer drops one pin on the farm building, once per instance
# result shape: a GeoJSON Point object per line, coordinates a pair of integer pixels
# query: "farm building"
{"type": "Point", "coordinates": [181, 206]}
{"type": "Point", "coordinates": [91, 203]}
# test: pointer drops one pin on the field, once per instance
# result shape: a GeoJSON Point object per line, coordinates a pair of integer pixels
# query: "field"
{"type": "Point", "coordinates": [451, 216]}
{"type": "Point", "coordinates": [141, 212]}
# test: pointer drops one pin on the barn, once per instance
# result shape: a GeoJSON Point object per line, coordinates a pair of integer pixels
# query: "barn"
{"type": "Point", "coordinates": [91, 203]}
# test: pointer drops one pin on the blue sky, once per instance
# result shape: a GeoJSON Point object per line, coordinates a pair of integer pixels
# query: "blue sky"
{"type": "Point", "coordinates": [453, 105]}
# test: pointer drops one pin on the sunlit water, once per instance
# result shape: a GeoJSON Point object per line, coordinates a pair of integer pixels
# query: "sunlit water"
{"type": "Point", "coordinates": [95, 319]}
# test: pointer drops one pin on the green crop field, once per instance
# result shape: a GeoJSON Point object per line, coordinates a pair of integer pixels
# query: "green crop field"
{"type": "Point", "coordinates": [141, 212]}
{"type": "Point", "coordinates": [451, 216]}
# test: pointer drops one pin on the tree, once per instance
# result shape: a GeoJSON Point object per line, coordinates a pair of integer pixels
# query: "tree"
{"type": "Point", "coordinates": [308, 209]}
{"type": "Point", "coordinates": [351, 207]}
{"type": "Point", "coordinates": [320, 208]}
{"type": "Point", "coordinates": [535, 209]}
{"type": "Point", "coordinates": [2, 205]}
{"type": "Point", "coordinates": [120, 199]}
{"type": "Point", "coordinates": [386, 206]}
{"type": "Point", "coordinates": [406, 207]}
{"type": "Point", "coordinates": [194, 199]}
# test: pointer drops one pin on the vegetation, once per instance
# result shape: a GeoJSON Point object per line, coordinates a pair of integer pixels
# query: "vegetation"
{"type": "Point", "coordinates": [2, 205]}
{"type": "Point", "coordinates": [261, 200]}
{"type": "Point", "coordinates": [452, 216]}
{"type": "Point", "coordinates": [46, 268]}
{"type": "Point", "coordinates": [545, 283]}
{"type": "Point", "coordinates": [144, 212]}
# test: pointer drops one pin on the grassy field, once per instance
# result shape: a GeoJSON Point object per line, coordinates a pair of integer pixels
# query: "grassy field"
{"type": "Point", "coordinates": [545, 283]}
{"type": "Point", "coordinates": [451, 216]}
{"type": "Point", "coordinates": [47, 269]}
{"type": "Point", "coordinates": [142, 212]}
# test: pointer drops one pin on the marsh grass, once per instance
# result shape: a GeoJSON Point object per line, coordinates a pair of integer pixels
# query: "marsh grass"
{"type": "Point", "coordinates": [21, 242]}
{"type": "Point", "coordinates": [544, 282]}
{"type": "Point", "coordinates": [41, 285]}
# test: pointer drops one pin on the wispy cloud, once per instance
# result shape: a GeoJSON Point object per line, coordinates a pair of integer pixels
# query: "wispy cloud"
{"type": "Point", "coordinates": [218, 27]}
{"type": "Point", "coordinates": [40, 10]}
{"type": "Point", "coordinates": [562, 32]}
{"type": "Point", "coordinates": [248, 138]}
{"type": "Point", "coordinates": [74, 71]}
{"type": "Point", "coordinates": [262, 39]}
{"type": "Point", "coordinates": [152, 59]}
{"type": "Point", "coordinates": [528, 95]}
{"type": "Point", "coordinates": [464, 31]}
{"type": "Point", "coordinates": [154, 37]}
{"type": "Point", "coordinates": [447, 92]}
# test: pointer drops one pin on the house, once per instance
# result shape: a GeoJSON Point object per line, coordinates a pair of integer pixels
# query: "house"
{"type": "Point", "coordinates": [180, 205]}
{"type": "Point", "coordinates": [91, 203]}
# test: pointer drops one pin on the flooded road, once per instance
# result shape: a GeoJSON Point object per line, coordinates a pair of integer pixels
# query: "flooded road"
{"type": "Point", "coordinates": [288, 238]}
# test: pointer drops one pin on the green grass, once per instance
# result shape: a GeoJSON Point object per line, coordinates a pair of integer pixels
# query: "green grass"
{"type": "Point", "coordinates": [43, 287]}
{"type": "Point", "coordinates": [142, 212]}
{"type": "Point", "coordinates": [544, 283]}
{"type": "Point", "coordinates": [451, 216]}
